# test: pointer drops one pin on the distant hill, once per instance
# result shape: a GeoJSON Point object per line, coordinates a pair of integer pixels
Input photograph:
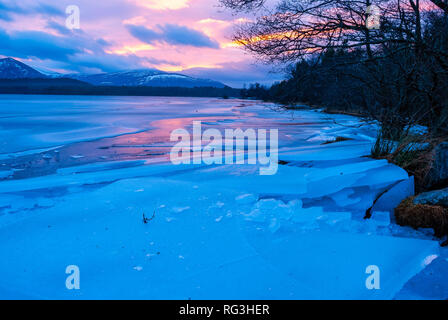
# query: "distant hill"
{"type": "Point", "coordinates": [18, 78]}
{"type": "Point", "coordinates": [13, 69]}
{"type": "Point", "coordinates": [146, 77]}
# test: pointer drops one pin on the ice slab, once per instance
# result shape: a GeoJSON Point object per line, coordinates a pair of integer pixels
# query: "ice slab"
{"type": "Point", "coordinates": [341, 259]}
{"type": "Point", "coordinates": [393, 197]}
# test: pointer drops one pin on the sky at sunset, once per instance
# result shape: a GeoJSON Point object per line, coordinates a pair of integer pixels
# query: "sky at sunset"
{"type": "Point", "coordinates": [192, 37]}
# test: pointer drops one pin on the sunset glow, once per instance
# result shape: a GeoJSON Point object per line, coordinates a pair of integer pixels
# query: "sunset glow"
{"type": "Point", "coordinates": [192, 36]}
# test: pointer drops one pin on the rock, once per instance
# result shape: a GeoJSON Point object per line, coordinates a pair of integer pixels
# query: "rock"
{"type": "Point", "coordinates": [438, 174]}
{"type": "Point", "coordinates": [422, 216]}
{"type": "Point", "coordinates": [434, 198]}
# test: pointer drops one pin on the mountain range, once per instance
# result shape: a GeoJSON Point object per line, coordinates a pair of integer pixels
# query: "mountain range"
{"type": "Point", "coordinates": [13, 69]}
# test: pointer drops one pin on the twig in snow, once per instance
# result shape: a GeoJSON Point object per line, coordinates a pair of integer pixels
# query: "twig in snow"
{"type": "Point", "coordinates": [146, 220]}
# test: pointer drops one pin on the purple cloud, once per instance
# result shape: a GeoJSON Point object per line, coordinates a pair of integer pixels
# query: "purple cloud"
{"type": "Point", "coordinates": [173, 34]}
{"type": "Point", "coordinates": [7, 9]}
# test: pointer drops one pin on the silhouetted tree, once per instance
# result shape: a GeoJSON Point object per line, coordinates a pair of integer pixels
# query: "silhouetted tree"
{"type": "Point", "coordinates": [396, 73]}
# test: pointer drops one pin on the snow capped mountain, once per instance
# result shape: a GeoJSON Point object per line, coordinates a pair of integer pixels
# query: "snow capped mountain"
{"type": "Point", "coordinates": [13, 69]}
{"type": "Point", "coordinates": [146, 77]}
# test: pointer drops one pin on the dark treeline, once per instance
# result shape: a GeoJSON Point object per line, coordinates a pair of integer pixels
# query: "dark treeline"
{"type": "Point", "coordinates": [75, 87]}
{"type": "Point", "coordinates": [386, 58]}
{"type": "Point", "coordinates": [402, 88]}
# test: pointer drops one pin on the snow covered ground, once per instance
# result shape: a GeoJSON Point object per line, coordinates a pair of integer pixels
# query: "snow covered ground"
{"type": "Point", "coordinates": [78, 173]}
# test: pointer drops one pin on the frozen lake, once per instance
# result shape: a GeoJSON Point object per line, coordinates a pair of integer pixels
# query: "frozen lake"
{"type": "Point", "coordinates": [78, 173]}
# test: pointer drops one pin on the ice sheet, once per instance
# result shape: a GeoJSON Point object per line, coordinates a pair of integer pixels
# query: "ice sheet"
{"type": "Point", "coordinates": [218, 232]}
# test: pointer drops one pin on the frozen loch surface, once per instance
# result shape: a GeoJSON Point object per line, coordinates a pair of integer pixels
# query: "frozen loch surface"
{"type": "Point", "coordinates": [78, 173]}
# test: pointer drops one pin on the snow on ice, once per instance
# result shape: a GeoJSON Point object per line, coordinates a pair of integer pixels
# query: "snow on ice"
{"type": "Point", "coordinates": [218, 231]}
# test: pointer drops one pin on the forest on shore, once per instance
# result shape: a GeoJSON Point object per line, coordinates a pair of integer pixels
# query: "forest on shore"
{"type": "Point", "coordinates": [386, 60]}
{"type": "Point", "coordinates": [62, 86]}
